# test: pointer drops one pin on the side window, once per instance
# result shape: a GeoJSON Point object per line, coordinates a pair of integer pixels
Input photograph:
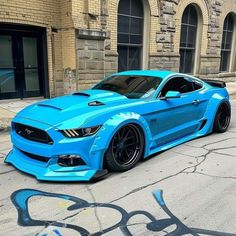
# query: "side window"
{"type": "Point", "coordinates": [197, 85]}
{"type": "Point", "coordinates": [179, 84]}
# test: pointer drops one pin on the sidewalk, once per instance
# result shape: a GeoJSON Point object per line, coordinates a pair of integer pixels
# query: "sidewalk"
{"type": "Point", "coordinates": [8, 108]}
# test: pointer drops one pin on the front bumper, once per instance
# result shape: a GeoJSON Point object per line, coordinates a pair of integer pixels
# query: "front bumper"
{"type": "Point", "coordinates": [47, 168]}
{"type": "Point", "coordinates": [49, 171]}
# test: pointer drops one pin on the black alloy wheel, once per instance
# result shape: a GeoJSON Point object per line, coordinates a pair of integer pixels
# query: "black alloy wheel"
{"type": "Point", "coordinates": [222, 118]}
{"type": "Point", "coordinates": [125, 149]}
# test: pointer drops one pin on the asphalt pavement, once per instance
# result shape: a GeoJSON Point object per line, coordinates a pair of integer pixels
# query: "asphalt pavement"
{"type": "Point", "coordinates": [187, 190]}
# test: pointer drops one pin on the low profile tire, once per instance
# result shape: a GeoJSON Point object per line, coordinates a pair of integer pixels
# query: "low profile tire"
{"type": "Point", "coordinates": [222, 118]}
{"type": "Point", "coordinates": [125, 149]}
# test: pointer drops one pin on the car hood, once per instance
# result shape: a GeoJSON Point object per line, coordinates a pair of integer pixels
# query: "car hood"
{"type": "Point", "coordinates": [75, 108]}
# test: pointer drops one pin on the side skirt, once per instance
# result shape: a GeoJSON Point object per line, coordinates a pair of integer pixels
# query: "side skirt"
{"type": "Point", "coordinates": [177, 142]}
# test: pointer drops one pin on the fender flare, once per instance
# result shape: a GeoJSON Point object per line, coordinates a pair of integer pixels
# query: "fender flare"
{"type": "Point", "coordinates": [212, 107]}
{"type": "Point", "coordinates": [112, 125]}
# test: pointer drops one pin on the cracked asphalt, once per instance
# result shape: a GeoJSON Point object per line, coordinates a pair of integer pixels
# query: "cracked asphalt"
{"type": "Point", "coordinates": [198, 181]}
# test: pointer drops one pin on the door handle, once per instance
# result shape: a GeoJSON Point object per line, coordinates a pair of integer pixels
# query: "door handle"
{"type": "Point", "coordinates": [196, 101]}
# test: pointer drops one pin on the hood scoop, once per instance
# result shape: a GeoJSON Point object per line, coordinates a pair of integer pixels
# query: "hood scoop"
{"type": "Point", "coordinates": [81, 94]}
{"type": "Point", "coordinates": [96, 103]}
{"type": "Point", "coordinates": [46, 105]}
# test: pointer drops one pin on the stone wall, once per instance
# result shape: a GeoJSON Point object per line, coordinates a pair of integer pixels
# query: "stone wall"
{"type": "Point", "coordinates": [82, 37]}
{"type": "Point", "coordinates": [111, 63]}
{"type": "Point", "coordinates": [164, 61]}
{"type": "Point", "coordinates": [56, 17]}
{"type": "Point", "coordinates": [90, 57]}
{"type": "Point", "coordinates": [209, 64]}
{"type": "Point", "coordinates": [45, 14]}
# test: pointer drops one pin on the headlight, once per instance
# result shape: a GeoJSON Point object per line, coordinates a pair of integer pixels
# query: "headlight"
{"type": "Point", "coordinates": [79, 133]}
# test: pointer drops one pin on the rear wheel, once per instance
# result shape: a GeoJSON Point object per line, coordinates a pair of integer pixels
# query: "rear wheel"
{"type": "Point", "coordinates": [222, 118]}
{"type": "Point", "coordinates": [125, 149]}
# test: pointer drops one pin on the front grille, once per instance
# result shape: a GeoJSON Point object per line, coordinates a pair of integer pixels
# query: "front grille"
{"type": "Point", "coordinates": [35, 157]}
{"type": "Point", "coordinates": [32, 133]}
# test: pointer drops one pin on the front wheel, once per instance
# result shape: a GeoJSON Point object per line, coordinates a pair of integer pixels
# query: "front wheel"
{"type": "Point", "coordinates": [125, 149]}
{"type": "Point", "coordinates": [222, 118]}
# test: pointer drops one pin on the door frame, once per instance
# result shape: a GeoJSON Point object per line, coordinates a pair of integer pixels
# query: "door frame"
{"type": "Point", "coordinates": [18, 30]}
{"type": "Point", "coordinates": [173, 107]}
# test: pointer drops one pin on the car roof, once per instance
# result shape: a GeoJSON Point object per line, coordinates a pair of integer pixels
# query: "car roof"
{"type": "Point", "coordinates": [155, 73]}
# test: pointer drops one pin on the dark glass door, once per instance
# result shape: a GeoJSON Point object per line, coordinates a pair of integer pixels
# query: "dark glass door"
{"type": "Point", "coordinates": [8, 86]}
{"type": "Point", "coordinates": [31, 72]}
{"type": "Point", "coordinates": [20, 70]}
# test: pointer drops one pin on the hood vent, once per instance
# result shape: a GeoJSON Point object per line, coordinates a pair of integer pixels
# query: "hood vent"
{"type": "Point", "coordinates": [46, 105]}
{"type": "Point", "coordinates": [96, 103]}
{"type": "Point", "coordinates": [81, 94]}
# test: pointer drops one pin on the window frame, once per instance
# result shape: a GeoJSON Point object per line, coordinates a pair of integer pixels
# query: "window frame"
{"type": "Point", "coordinates": [183, 50]}
{"type": "Point", "coordinates": [202, 84]}
{"type": "Point", "coordinates": [129, 76]}
{"type": "Point", "coordinates": [186, 78]}
{"type": "Point", "coordinates": [130, 46]}
{"type": "Point", "coordinates": [224, 50]}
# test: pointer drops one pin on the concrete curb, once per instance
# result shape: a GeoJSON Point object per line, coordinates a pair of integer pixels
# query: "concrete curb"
{"type": "Point", "coordinates": [5, 129]}
{"type": "Point", "coordinates": [6, 116]}
{"type": "Point", "coordinates": [5, 124]}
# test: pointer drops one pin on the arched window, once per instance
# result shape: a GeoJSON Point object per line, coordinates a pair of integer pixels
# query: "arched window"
{"type": "Point", "coordinates": [226, 44]}
{"type": "Point", "coordinates": [188, 37]}
{"type": "Point", "coordinates": [130, 34]}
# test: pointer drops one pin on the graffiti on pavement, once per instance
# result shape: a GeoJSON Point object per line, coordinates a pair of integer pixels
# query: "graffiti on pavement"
{"type": "Point", "coordinates": [21, 197]}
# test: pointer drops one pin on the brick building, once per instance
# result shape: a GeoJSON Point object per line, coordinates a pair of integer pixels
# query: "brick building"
{"type": "Point", "coordinates": [51, 47]}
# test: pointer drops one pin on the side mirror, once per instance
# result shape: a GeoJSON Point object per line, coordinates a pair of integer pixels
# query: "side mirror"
{"type": "Point", "coordinates": [173, 94]}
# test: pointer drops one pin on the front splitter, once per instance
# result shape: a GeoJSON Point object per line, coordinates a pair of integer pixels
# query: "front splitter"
{"type": "Point", "coordinates": [45, 173]}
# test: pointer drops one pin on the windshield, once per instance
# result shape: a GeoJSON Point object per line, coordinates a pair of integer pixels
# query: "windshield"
{"type": "Point", "coordinates": [130, 86]}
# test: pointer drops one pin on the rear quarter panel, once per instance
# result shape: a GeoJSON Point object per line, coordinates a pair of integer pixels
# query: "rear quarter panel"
{"type": "Point", "coordinates": [215, 97]}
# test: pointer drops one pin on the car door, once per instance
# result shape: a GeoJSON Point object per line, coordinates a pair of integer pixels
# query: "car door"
{"type": "Point", "coordinates": [175, 117]}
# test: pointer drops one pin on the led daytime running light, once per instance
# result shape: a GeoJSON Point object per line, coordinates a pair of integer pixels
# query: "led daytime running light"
{"type": "Point", "coordinates": [79, 133]}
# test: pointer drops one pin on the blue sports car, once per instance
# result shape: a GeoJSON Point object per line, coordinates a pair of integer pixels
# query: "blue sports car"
{"type": "Point", "coordinates": [124, 118]}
